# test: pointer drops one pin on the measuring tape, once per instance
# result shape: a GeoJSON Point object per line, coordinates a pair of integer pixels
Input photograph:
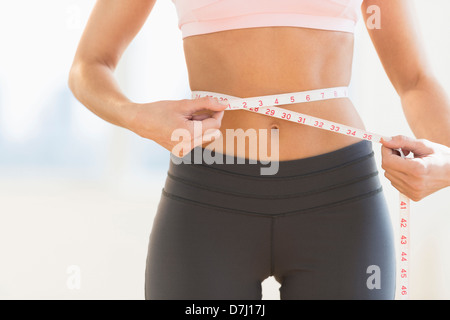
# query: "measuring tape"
{"type": "Point", "coordinates": [267, 105]}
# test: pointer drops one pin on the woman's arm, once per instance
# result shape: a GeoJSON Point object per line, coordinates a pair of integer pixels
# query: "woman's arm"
{"type": "Point", "coordinates": [425, 103]}
{"type": "Point", "coordinates": [111, 27]}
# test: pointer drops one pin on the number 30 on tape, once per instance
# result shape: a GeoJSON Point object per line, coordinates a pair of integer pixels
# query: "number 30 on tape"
{"type": "Point", "coordinates": [267, 105]}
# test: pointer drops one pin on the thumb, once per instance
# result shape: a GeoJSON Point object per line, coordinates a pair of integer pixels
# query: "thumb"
{"type": "Point", "coordinates": [407, 144]}
{"type": "Point", "coordinates": [207, 103]}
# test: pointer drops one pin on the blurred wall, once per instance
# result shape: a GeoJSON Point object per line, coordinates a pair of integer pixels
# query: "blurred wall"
{"type": "Point", "coordinates": [381, 110]}
{"type": "Point", "coordinates": [78, 195]}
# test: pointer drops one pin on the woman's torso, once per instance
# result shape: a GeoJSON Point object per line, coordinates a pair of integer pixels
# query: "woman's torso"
{"type": "Point", "coordinates": [272, 60]}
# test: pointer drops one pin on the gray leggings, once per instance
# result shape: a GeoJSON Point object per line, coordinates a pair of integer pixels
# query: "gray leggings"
{"type": "Point", "coordinates": [320, 226]}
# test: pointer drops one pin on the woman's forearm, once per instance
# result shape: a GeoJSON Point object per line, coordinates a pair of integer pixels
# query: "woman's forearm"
{"type": "Point", "coordinates": [95, 86]}
{"type": "Point", "coordinates": [427, 110]}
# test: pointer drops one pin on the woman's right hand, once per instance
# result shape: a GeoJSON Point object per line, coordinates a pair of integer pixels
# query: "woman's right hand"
{"type": "Point", "coordinates": [196, 121]}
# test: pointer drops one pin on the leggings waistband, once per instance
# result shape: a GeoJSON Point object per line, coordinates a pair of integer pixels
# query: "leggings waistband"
{"type": "Point", "coordinates": [239, 166]}
{"type": "Point", "coordinates": [346, 174]}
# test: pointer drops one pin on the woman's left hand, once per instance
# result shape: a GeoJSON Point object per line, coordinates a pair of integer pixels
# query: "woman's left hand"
{"type": "Point", "coordinates": [418, 177]}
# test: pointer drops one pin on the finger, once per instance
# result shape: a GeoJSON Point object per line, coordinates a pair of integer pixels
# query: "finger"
{"type": "Point", "coordinates": [200, 117]}
{"type": "Point", "coordinates": [410, 168]}
{"type": "Point", "coordinates": [211, 135]}
{"type": "Point", "coordinates": [409, 189]}
{"type": "Point", "coordinates": [407, 144]}
{"type": "Point", "coordinates": [213, 122]}
{"type": "Point", "coordinates": [197, 128]}
{"type": "Point", "coordinates": [391, 160]}
{"type": "Point", "coordinates": [398, 177]}
{"type": "Point", "coordinates": [397, 182]}
{"type": "Point", "coordinates": [206, 103]}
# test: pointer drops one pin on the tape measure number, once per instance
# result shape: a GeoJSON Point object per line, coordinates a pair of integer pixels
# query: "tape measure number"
{"type": "Point", "coordinates": [268, 105]}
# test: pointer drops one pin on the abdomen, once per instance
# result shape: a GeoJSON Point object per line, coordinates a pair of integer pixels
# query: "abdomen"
{"type": "Point", "coordinates": [265, 61]}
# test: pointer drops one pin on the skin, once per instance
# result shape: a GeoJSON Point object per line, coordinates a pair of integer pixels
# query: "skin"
{"type": "Point", "coordinates": [263, 61]}
{"type": "Point", "coordinates": [420, 176]}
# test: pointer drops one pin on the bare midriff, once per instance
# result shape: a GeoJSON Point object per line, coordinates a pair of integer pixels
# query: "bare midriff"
{"type": "Point", "coordinates": [272, 60]}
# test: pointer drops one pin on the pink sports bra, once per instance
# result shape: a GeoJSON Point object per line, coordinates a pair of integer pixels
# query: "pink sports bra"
{"type": "Point", "coordinates": [206, 16]}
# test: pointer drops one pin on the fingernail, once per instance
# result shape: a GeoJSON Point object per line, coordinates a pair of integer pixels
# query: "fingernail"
{"type": "Point", "coordinates": [387, 139]}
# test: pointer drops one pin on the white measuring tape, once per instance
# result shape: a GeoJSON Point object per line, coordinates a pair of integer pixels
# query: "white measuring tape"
{"type": "Point", "coordinates": [267, 105]}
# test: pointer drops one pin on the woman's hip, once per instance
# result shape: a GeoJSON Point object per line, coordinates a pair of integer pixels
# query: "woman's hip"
{"type": "Point", "coordinates": [209, 178]}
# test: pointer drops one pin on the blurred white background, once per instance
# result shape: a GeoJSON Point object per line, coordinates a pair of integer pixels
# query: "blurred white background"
{"type": "Point", "coordinates": [78, 195]}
